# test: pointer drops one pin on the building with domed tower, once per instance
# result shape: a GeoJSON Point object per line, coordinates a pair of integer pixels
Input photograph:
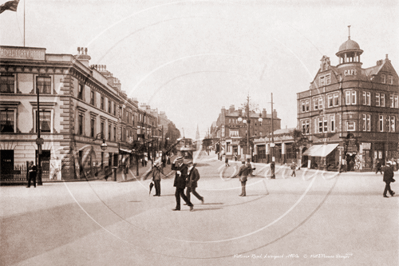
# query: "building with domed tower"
{"type": "Point", "coordinates": [349, 116]}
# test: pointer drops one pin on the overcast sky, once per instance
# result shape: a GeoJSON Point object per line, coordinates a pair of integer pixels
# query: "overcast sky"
{"type": "Point", "coordinates": [190, 58]}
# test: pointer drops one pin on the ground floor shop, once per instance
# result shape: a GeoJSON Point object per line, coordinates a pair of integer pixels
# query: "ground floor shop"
{"type": "Point", "coordinates": [349, 155]}
{"type": "Point", "coordinates": [60, 159]}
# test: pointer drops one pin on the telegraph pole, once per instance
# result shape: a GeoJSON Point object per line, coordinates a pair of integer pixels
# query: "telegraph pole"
{"type": "Point", "coordinates": [248, 129]}
{"type": "Point", "coordinates": [272, 165]}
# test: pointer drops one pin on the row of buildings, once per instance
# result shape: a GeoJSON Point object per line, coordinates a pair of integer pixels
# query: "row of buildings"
{"type": "Point", "coordinates": [86, 120]}
{"type": "Point", "coordinates": [348, 117]}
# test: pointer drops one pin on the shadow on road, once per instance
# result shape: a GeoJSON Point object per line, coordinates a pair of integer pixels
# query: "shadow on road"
{"type": "Point", "coordinates": [206, 209]}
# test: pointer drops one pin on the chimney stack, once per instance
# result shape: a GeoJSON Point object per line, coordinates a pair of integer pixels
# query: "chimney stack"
{"type": "Point", "coordinates": [82, 56]}
{"type": "Point", "coordinates": [264, 113]}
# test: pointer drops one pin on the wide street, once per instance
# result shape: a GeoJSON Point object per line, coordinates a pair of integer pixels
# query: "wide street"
{"type": "Point", "coordinates": [315, 218]}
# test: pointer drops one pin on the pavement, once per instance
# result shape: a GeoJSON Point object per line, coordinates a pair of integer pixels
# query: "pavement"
{"type": "Point", "coordinates": [316, 218]}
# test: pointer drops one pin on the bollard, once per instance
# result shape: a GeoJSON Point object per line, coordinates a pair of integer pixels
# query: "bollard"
{"type": "Point", "coordinates": [115, 172]}
{"type": "Point", "coordinates": [272, 168]}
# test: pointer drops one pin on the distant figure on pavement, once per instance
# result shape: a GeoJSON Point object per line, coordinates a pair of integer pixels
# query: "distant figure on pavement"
{"type": "Point", "coordinates": [293, 168]}
{"type": "Point", "coordinates": [226, 161]}
{"type": "Point", "coordinates": [243, 174]}
{"type": "Point", "coordinates": [32, 175]}
{"type": "Point", "coordinates": [145, 160]}
{"type": "Point", "coordinates": [180, 182]}
{"type": "Point", "coordinates": [388, 178]}
{"type": "Point", "coordinates": [192, 181]}
{"type": "Point", "coordinates": [273, 169]}
{"type": "Point", "coordinates": [250, 168]}
{"type": "Point", "coordinates": [378, 167]}
{"type": "Point", "coordinates": [156, 177]}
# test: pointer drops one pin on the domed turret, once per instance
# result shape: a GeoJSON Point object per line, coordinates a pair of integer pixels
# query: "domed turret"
{"type": "Point", "coordinates": [349, 51]}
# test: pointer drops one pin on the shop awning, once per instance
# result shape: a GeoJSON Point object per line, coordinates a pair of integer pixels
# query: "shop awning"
{"type": "Point", "coordinates": [311, 150]}
{"type": "Point", "coordinates": [320, 150]}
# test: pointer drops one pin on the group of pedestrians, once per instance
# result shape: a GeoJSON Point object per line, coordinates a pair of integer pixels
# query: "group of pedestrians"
{"type": "Point", "coordinates": [186, 176]}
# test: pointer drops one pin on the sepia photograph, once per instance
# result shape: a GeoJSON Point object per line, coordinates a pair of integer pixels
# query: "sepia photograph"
{"type": "Point", "coordinates": [199, 132]}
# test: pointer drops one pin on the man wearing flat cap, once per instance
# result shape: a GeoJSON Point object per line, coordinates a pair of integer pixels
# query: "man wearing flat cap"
{"type": "Point", "coordinates": [180, 182]}
{"type": "Point", "coordinates": [193, 177]}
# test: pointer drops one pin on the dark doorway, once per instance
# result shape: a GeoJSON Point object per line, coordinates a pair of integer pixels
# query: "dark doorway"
{"type": "Point", "coordinates": [6, 162]}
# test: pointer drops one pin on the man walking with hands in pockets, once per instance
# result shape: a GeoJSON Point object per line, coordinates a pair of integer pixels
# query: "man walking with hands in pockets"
{"type": "Point", "coordinates": [193, 177]}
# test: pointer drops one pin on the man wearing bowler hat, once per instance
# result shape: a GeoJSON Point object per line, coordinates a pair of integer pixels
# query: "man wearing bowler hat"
{"type": "Point", "coordinates": [180, 182]}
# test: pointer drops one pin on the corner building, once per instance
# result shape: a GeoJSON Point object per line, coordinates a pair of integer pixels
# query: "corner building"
{"type": "Point", "coordinates": [79, 108]}
{"type": "Point", "coordinates": [350, 114]}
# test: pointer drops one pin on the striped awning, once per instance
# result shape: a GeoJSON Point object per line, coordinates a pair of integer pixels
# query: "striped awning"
{"type": "Point", "coordinates": [320, 150]}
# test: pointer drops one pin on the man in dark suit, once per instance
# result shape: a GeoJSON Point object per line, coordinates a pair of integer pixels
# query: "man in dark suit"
{"type": "Point", "coordinates": [193, 177]}
{"type": "Point", "coordinates": [180, 182]}
{"type": "Point", "coordinates": [32, 175]}
{"type": "Point", "coordinates": [388, 178]}
{"type": "Point", "coordinates": [243, 174]}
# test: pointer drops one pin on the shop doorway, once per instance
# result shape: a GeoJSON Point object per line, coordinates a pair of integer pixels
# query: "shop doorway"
{"type": "Point", "coordinates": [350, 162]}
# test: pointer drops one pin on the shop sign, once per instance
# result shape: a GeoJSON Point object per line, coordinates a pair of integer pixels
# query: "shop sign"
{"type": "Point", "coordinates": [8, 52]}
{"type": "Point", "coordinates": [350, 72]}
{"type": "Point", "coordinates": [352, 147]}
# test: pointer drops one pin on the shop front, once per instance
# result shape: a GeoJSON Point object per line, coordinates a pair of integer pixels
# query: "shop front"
{"type": "Point", "coordinates": [322, 157]}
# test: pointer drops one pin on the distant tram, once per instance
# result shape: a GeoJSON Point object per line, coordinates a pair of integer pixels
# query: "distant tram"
{"type": "Point", "coordinates": [185, 148]}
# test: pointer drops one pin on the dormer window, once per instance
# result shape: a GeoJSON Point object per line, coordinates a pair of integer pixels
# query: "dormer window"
{"type": "Point", "coordinates": [390, 79]}
{"type": "Point", "coordinates": [383, 78]}
{"type": "Point", "coordinates": [325, 80]}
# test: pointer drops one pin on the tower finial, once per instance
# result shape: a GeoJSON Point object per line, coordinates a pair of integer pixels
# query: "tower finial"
{"type": "Point", "coordinates": [349, 32]}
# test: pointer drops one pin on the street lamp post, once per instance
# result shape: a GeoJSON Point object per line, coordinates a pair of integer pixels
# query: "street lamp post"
{"type": "Point", "coordinates": [248, 121]}
{"type": "Point", "coordinates": [39, 141]}
{"type": "Point", "coordinates": [272, 165]}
